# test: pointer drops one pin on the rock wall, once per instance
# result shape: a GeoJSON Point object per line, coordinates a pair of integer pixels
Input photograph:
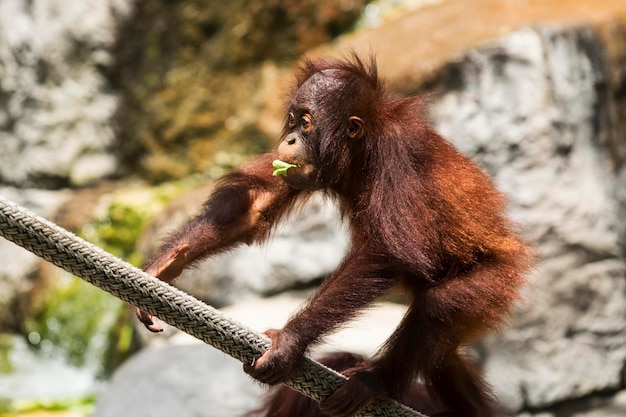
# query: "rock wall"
{"type": "Point", "coordinates": [534, 108]}
{"type": "Point", "coordinates": [537, 109]}
{"type": "Point", "coordinates": [542, 108]}
{"type": "Point", "coordinates": [56, 117]}
{"type": "Point", "coordinates": [56, 105]}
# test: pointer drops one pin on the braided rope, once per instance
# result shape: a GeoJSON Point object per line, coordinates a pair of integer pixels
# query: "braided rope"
{"type": "Point", "coordinates": [111, 274]}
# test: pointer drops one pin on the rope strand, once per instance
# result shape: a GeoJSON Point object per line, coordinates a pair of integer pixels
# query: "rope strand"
{"type": "Point", "coordinates": [109, 273]}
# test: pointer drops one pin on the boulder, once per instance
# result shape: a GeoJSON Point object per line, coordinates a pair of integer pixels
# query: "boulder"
{"type": "Point", "coordinates": [532, 109]}
{"type": "Point", "coordinates": [186, 378]}
{"type": "Point", "coordinates": [179, 380]}
{"type": "Point", "coordinates": [539, 108]}
{"type": "Point", "coordinates": [56, 105]}
{"type": "Point", "coordinates": [303, 249]}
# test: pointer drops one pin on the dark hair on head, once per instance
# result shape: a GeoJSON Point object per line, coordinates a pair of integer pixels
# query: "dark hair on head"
{"type": "Point", "coordinates": [367, 72]}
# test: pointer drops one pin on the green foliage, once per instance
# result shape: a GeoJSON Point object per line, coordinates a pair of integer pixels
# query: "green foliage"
{"type": "Point", "coordinates": [281, 167]}
{"type": "Point", "coordinates": [75, 321]}
{"type": "Point", "coordinates": [128, 213]}
{"type": "Point", "coordinates": [84, 406]}
{"type": "Point", "coordinates": [198, 77]}
{"type": "Point", "coordinates": [5, 347]}
{"type": "Point", "coordinates": [82, 322]}
{"type": "Point", "coordinates": [118, 231]}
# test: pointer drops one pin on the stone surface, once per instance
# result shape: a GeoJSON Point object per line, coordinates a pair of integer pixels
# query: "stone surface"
{"type": "Point", "coordinates": [598, 406]}
{"type": "Point", "coordinates": [183, 377]}
{"type": "Point", "coordinates": [186, 380]}
{"type": "Point", "coordinates": [56, 107]}
{"type": "Point", "coordinates": [533, 109]}
{"type": "Point", "coordinates": [530, 108]}
{"type": "Point", "coordinates": [540, 107]}
{"type": "Point", "coordinates": [413, 48]}
{"type": "Point", "coordinates": [305, 248]}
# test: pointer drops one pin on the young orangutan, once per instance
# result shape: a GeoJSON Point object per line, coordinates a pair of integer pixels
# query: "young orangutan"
{"type": "Point", "coordinates": [421, 216]}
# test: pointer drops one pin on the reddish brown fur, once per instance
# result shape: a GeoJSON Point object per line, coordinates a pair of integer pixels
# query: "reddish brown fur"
{"type": "Point", "coordinates": [421, 215]}
{"type": "Point", "coordinates": [282, 401]}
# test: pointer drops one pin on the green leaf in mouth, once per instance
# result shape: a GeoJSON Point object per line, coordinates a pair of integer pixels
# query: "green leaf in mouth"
{"type": "Point", "coordinates": [281, 167]}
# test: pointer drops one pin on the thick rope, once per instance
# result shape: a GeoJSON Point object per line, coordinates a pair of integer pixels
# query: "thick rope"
{"type": "Point", "coordinates": [92, 264]}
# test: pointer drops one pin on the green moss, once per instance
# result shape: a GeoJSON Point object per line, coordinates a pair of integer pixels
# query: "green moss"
{"type": "Point", "coordinates": [6, 342]}
{"type": "Point", "coordinates": [187, 71]}
{"type": "Point", "coordinates": [81, 321]}
{"type": "Point", "coordinates": [75, 321]}
{"type": "Point", "coordinates": [128, 212]}
{"type": "Point", "coordinates": [84, 406]}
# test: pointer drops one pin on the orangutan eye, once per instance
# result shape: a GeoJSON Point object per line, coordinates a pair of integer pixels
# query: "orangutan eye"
{"type": "Point", "coordinates": [291, 120]}
{"type": "Point", "coordinates": [307, 123]}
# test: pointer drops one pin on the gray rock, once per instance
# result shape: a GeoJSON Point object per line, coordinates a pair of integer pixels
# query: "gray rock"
{"type": "Point", "coordinates": [56, 107]}
{"type": "Point", "coordinates": [186, 381]}
{"type": "Point", "coordinates": [307, 246]}
{"type": "Point", "coordinates": [595, 406]}
{"type": "Point", "coordinates": [529, 108]}
{"type": "Point", "coordinates": [182, 377]}
{"type": "Point", "coordinates": [363, 335]}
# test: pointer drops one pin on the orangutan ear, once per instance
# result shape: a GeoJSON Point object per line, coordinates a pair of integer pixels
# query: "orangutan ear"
{"type": "Point", "coordinates": [355, 128]}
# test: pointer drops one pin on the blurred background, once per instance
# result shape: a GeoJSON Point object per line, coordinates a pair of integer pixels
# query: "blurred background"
{"type": "Point", "coordinates": [116, 115]}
